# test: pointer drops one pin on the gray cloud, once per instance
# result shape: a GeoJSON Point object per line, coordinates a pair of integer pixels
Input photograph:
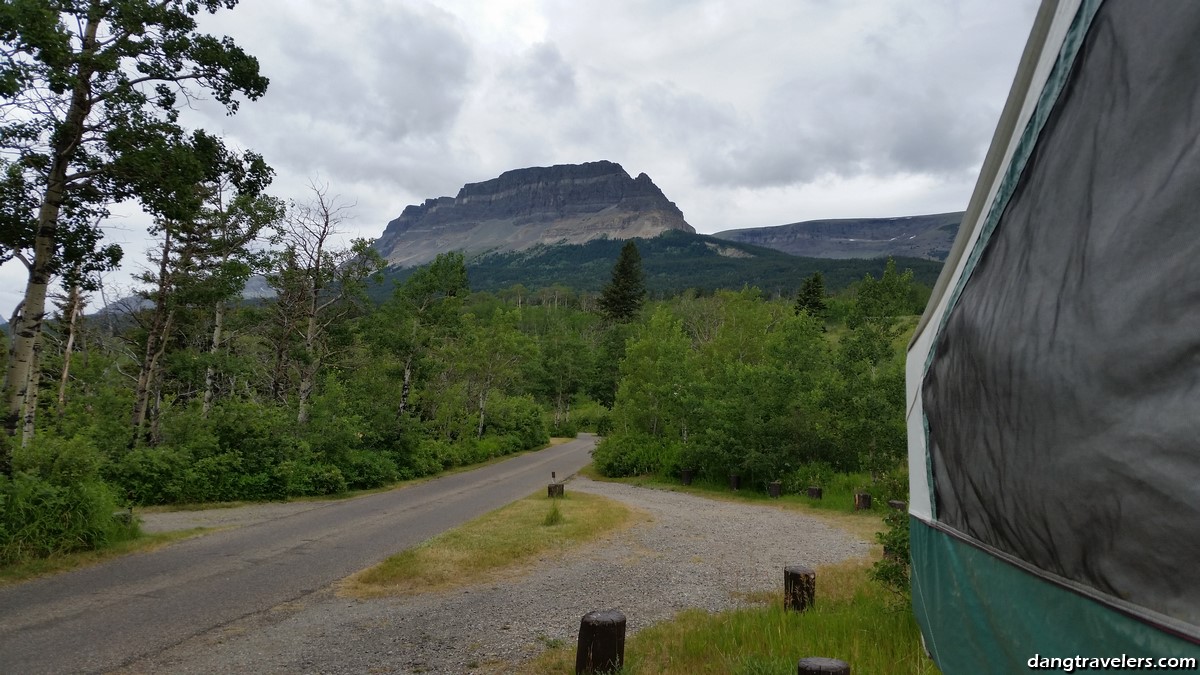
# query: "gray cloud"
{"type": "Point", "coordinates": [746, 113]}
{"type": "Point", "coordinates": [542, 75]}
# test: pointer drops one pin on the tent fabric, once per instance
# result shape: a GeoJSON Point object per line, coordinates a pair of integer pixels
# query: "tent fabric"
{"type": "Point", "coordinates": [1048, 56]}
{"type": "Point", "coordinates": [1003, 615]}
{"type": "Point", "coordinates": [1061, 391]}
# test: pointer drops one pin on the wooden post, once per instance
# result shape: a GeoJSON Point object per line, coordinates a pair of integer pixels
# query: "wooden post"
{"type": "Point", "coordinates": [735, 482]}
{"type": "Point", "coordinates": [815, 492]}
{"type": "Point", "coordinates": [799, 587]}
{"type": "Point", "coordinates": [601, 643]}
{"type": "Point", "coordinates": [774, 488]}
{"type": "Point", "coordinates": [816, 665]}
{"type": "Point", "coordinates": [686, 476]}
{"type": "Point", "coordinates": [862, 501]}
{"type": "Point", "coordinates": [554, 490]}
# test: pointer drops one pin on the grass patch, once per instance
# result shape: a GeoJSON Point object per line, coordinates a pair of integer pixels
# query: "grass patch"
{"type": "Point", "coordinates": [65, 562]}
{"type": "Point", "coordinates": [554, 517]}
{"type": "Point", "coordinates": [853, 619]}
{"type": "Point", "coordinates": [494, 545]}
{"type": "Point", "coordinates": [836, 509]}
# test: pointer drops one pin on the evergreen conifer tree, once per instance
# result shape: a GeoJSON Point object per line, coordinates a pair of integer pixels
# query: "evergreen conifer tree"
{"type": "Point", "coordinates": [811, 297]}
{"type": "Point", "coordinates": [622, 298]}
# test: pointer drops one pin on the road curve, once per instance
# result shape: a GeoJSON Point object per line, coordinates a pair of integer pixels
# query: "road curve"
{"type": "Point", "coordinates": [103, 617]}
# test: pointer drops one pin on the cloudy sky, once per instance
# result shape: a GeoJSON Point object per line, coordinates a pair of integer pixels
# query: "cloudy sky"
{"type": "Point", "coordinates": [746, 113]}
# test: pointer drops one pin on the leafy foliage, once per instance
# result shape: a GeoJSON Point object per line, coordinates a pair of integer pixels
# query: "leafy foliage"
{"type": "Point", "coordinates": [91, 91]}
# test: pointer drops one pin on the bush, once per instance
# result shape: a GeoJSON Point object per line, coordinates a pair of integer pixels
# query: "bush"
{"type": "Point", "coordinates": [301, 479]}
{"type": "Point", "coordinates": [364, 470]}
{"type": "Point", "coordinates": [218, 478]}
{"type": "Point", "coordinates": [56, 501]}
{"type": "Point", "coordinates": [892, 571]}
{"type": "Point", "coordinates": [262, 435]}
{"type": "Point", "coordinates": [820, 474]}
{"type": "Point", "coordinates": [39, 518]}
{"type": "Point", "coordinates": [60, 461]}
{"type": "Point", "coordinates": [421, 458]}
{"type": "Point", "coordinates": [150, 476]}
{"type": "Point", "coordinates": [590, 416]}
{"type": "Point", "coordinates": [636, 454]}
{"type": "Point", "coordinates": [565, 429]}
{"type": "Point", "coordinates": [519, 417]}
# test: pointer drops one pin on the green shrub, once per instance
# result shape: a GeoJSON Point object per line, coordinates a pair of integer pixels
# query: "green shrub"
{"type": "Point", "coordinates": [565, 429]}
{"type": "Point", "coordinates": [327, 479]}
{"type": "Point", "coordinates": [421, 458]}
{"type": "Point", "coordinates": [820, 474]}
{"type": "Point", "coordinates": [60, 461]}
{"type": "Point", "coordinates": [364, 470]}
{"type": "Point", "coordinates": [636, 454]}
{"type": "Point", "coordinates": [892, 571]}
{"type": "Point", "coordinates": [301, 479]}
{"type": "Point", "coordinates": [264, 436]}
{"type": "Point", "coordinates": [56, 501]}
{"type": "Point", "coordinates": [588, 415]}
{"type": "Point", "coordinates": [217, 478]}
{"type": "Point", "coordinates": [149, 475]}
{"type": "Point", "coordinates": [519, 417]}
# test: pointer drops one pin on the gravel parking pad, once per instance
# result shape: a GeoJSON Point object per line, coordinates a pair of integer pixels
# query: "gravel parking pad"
{"type": "Point", "coordinates": [693, 553]}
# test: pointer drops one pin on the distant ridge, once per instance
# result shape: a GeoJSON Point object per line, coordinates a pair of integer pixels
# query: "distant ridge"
{"type": "Point", "coordinates": [561, 204]}
{"type": "Point", "coordinates": [929, 237]}
{"type": "Point", "coordinates": [672, 262]}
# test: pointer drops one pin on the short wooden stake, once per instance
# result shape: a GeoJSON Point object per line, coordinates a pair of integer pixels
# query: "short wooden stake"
{"type": "Point", "coordinates": [815, 492]}
{"type": "Point", "coordinates": [774, 488]}
{"type": "Point", "coordinates": [862, 501]}
{"type": "Point", "coordinates": [799, 587]}
{"type": "Point", "coordinates": [735, 482]}
{"type": "Point", "coordinates": [816, 665]}
{"type": "Point", "coordinates": [554, 490]}
{"type": "Point", "coordinates": [687, 475]}
{"type": "Point", "coordinates": [601, 643]}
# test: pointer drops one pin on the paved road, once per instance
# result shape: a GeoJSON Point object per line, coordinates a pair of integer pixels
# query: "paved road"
{"type": "Point", "coordinates": [103, 617]}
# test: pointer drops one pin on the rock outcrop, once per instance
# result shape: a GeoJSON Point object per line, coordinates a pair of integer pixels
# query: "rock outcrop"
{"type": "Point", "coordinates": [562, 204]}
{"type": "Point", "coordinates": [930, 237]}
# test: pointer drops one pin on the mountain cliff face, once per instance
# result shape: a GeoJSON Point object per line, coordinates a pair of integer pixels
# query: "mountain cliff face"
{"type": "Point", "coordinates": [929, 237]}
{"type": "Point", "coordinates": [561, 204]}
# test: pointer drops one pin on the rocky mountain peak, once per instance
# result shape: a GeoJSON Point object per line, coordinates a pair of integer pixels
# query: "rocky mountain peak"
{"type": "Point", "coordinates": [561, 204]}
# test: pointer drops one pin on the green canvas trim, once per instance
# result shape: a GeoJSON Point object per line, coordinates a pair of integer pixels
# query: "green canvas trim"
{"type": "Point", "coordinates": [933, 510]}
{"type": "Point", "coordinates": [1054, 86]}
{"type": "Point", "coordinates": [982, 614]}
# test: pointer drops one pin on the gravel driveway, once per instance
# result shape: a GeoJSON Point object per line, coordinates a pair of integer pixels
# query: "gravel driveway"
{"type": "Point", "coordinates": [693, 552]}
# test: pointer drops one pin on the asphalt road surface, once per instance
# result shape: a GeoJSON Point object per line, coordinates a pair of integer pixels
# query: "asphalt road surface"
{"type": "Point", "coordinates": [103, 617]}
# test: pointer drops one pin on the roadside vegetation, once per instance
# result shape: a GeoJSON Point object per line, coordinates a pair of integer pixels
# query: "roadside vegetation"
{"type": "Point", "coordinates": [497, 544]}
{"type": "Point", "coordinates": [853, 619]}
{"type": "Point", "coordinates": [27, 568]}
{"type": "Point", "coordinates": [438, 378]}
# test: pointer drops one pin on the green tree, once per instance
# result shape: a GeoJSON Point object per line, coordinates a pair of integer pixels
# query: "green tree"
{"type": "Point", "coordinates": [623, 296]}
{"type": "Point", "coordinates": [423, 310]}
{"type": "Point", "coordinates": [92, 90]}
{"type": "Point", "coordinates": [811, 297]}
{"type": "Point", "coordinates": [881, 300]}
{"type": "Point", "coordinates": [318, 285]}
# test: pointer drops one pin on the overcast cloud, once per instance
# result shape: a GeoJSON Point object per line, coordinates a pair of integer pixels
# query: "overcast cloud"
{"type": "Point", "coordinates": [747, 113]}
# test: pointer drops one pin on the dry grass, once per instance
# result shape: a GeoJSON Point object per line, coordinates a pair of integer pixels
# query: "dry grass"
{"type": "Point", "coordinates": [499, 544]}
{"type": "Point", "coordinates": [66, 562]}
{"type": "Point", "coordinates": [853, 619]}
